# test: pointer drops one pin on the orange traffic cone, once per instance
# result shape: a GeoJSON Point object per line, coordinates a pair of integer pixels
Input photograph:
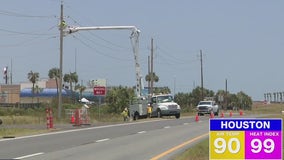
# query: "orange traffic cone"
{"type": "Point", "coordinates": [231, 114]}
{"type": "Point", "coordinates": [72, 119]}
{"type": "Point", "coordinates": [196, 118]}
{"type": "Point", "coordinates": [222, 114]}
{"type": "Point", "coordinates": [241, 112]}
{"type": "Point", "coordinates": [211, 115]}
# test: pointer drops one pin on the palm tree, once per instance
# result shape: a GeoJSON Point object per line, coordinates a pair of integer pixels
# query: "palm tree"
{"type": "Point", "coordinates": [71, 78]}
{"type": "Point", "coordinates": [151, 77]}
{"type": "Point", "coordinates": [37, 91]}
{"type": "Point", "coordinates": [54, 74]}
{"type": "Point", "coordinates": [81, 89]}
{"type": "Point", "coordinates": [33, 77]}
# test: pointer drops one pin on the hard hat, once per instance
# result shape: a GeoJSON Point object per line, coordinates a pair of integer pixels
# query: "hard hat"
{"type": "Point", "coordinates": [86, 106]}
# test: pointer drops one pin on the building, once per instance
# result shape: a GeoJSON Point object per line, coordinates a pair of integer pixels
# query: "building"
{"type": "Point", "coordinates": [22, 93]}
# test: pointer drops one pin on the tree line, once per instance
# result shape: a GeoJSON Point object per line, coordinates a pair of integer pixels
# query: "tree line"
{"type": "Point", "coordinates": [117, 98]}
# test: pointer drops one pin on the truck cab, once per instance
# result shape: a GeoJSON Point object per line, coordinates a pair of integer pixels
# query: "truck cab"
{"type": "Point", "coordinates": [164, 105]}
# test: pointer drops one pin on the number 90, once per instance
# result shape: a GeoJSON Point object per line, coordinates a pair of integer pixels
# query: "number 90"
{"type": "Point", "coordinates": [221, 145]}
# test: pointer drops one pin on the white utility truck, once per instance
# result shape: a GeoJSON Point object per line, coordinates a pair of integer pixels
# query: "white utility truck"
{"type": "Point", "coordinates": [162, 105]}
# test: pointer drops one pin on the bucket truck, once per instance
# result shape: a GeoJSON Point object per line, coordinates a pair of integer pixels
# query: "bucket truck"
{"type": "Point", "coordinates": [162, 105]}
{"type": "Point", "coordinates": [134, 41]}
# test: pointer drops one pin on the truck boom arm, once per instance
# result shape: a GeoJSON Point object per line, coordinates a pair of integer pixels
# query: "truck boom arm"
{"type": "Point", "coordinates": [135, 45]}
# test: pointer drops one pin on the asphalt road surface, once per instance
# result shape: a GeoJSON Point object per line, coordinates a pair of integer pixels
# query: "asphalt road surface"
{"type": "Point", "coordinates": [149, 139]}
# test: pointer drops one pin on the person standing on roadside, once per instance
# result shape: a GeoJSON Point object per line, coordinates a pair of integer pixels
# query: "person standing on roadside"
{"type": "Point", "coordinates": [149, 110]}
{"type": "Point", "coordinates": [125, 114]}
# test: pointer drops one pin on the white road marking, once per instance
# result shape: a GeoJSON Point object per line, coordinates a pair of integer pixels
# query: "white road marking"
{"type": "Point", "coordinates": [30, 155]}
{"type": "Point", "coordinates": [167, 127]}
{"type": "Point", "coordinates": [185, 124]}
{"type": "Point", "coordinates": [141, 132]}
{"type": "Point", "coordinates": [102, 140]}
{"type": "Point", "coordinates": [77, 130]}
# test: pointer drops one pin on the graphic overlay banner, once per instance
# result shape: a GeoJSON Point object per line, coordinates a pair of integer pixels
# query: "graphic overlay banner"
{"type": "Point", "coordinates": [256, 139]}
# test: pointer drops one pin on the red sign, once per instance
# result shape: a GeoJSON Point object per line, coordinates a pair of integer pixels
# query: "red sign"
{"type": "Point", "coordinates": [99, 91]}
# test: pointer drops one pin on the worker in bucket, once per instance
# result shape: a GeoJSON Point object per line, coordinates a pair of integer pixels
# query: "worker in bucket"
{"type": "Point", "coordinates": [125, 114]}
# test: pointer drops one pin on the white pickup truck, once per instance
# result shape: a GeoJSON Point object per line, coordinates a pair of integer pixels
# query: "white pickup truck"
{"type": "Point", "coordinates": [206, 107]}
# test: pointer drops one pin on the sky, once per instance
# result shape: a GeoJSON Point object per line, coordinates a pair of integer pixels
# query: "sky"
{"type": "Point", "coordinates": [241, 41]}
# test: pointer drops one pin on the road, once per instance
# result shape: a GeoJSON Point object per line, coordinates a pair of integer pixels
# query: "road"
{"type": "Point", "coordinates": [140, 140]}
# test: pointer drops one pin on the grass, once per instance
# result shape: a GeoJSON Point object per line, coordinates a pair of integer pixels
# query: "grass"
{"type": "Point", "coordinates": [17, 123]}
{"type": "Point", "coordinates": [201, 150]}
{"type": "Point", "coordinates": [198, 152]}
{"type": "Point", "coordinates": [14, 132]}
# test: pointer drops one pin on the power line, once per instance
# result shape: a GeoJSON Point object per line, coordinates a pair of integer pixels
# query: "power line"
{"type": "Point", "coordinates": [15, 14]}
{"type": "Point", "coordinates": [102, 45]}
{"type": "Point", "coordinates": [25, 33]}
{"type": "Point", "coordinates": [25, 42]}
{"type": "Point", "coordinates": [174, 58]}
{"type": "Point", "coordinates": [99, 52]}
{"type": "Point", "coordinates": [100, 38]}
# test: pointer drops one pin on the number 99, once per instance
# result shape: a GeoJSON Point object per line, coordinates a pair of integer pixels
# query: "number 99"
{"type": "Point", "coordinates": [268, 145]}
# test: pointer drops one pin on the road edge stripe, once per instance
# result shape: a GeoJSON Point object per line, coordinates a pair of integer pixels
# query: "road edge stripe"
{"type": "Point", "coordinates": [178, 147]}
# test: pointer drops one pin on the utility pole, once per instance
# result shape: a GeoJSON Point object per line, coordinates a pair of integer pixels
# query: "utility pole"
{"type": "Point", "coordinates": [226, 94]}
{"type": "Point", "coordinates": [11, 80]}
{"type": "Point", "coordinates": [61, 25]}
{"type": "Point", "coordinates": [149, 83]}
{"type": "Point", "coordinates": [152, 74]}
{"type": "Point", "coordinates": [6, 74]}
{"type": "Point", "coordinates": [202, 94]}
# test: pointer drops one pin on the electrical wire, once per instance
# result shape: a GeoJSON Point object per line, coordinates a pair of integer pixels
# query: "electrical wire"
{"type": "Point", "coordinates": [102, 45]}
{"type": "Point", "coordinates": [24, 33]}
{"type": "Point", "coordinates": [97, 51]}
{"type": "Point", "coordinates": [27, 42]}
{"type": "Point", "coordinates": [100, 38]}
{"type": "Point", "coordinates": [172, 60]}
{"type": "Point", "coordinates": [179, 61]}
{"type": "Point", "coordinates": [15, 14]}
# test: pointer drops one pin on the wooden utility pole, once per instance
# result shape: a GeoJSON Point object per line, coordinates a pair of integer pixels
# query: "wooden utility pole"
{"type": "Point", "coordinates": [149, 83]}
{"type": "Point", "coordinates": [226, 94]}
{"type": "Point", "coordinates": [61, 25]}
{"type": "Point", "coordinates": [201, 73]}
{"type": "Point", "coordinates": [11, 73]}
{"type": "Point", "coordinates": [151, 70]}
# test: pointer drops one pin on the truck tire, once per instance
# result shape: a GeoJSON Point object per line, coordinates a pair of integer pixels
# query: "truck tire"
{"type": "Point", "coordinates": [217, 113]}
{"type": "Point", "coordinates": [177, 116]}
{"type": "Point", "coordinates": [159, 113]}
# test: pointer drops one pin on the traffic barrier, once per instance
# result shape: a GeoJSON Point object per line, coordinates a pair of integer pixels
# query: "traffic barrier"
{"type": "Point", "coordinates": [77, 118]}
{"type": "Point", "coordinates": [82, 117]}
{"type": "Point", "coordinates": [49, 118]}
{"type": "Point", "coordinates": [196, 118]}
